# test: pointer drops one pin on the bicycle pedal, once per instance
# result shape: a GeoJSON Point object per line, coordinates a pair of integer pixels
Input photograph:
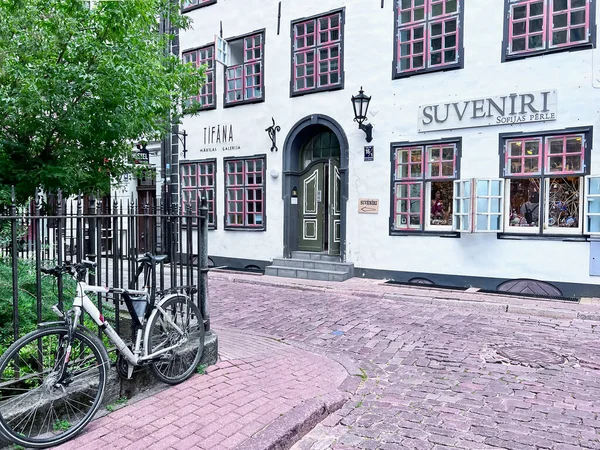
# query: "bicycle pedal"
{"type": "Point", "coordinates": [130, 368]}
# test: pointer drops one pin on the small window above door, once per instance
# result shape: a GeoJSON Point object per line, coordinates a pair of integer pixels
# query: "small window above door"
{"type": "Point", "coordinates": [323, 145]}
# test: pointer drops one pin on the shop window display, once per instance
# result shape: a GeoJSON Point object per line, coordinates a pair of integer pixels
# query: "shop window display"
{"type": "Point", "coordinates": [544, 184]}
{"type": "Point", "coordinates": [539, 26]}
{"type": "Point", "coordinates": [424, 186]}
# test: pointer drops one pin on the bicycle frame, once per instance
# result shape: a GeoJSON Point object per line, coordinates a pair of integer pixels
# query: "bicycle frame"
{"type": "Point", "coordinates": [82, 301]}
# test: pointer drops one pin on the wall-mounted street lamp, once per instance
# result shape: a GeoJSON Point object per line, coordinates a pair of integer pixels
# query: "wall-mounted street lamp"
{"type": "Point", "coordinates": [360, 103]}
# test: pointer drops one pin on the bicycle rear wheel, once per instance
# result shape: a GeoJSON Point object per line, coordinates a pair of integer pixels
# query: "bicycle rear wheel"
{"type": "Point", "coordinates": [178, 364]}
{"type": "Point", "coordinates": [39, 410]}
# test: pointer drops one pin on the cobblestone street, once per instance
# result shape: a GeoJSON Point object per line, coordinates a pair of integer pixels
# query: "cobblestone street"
{"type": "Point", "coordinates": [434, 376]}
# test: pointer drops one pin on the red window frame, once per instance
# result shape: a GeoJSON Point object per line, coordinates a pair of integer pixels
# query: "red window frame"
{"type": "Point", "coordinates": [318, 39]}
{"type": "Point", "coordinates": [198, 178]}
{"type": "Point", "coordinates": [243, 82]}
{"type": "Point", "coordinates": [553, 23]}
{"type": "Point", "coordinates": [245, 192]}
{"type": "Point", "coordinates": [199, 57]}
{"type": "Point", "coordinates": [427, 35]}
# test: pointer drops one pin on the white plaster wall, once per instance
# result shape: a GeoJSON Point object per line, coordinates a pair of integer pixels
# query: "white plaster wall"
{"type": "Point", "coordinates": [368, 55]}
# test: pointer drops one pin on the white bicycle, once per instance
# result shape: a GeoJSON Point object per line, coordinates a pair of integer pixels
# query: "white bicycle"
{"type": "Point", "coordinates": [52, 380]}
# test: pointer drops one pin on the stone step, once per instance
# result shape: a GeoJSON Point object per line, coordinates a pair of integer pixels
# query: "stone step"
{"type": "Point", "coordinates": [309, 274]}
{"type": "Point", "coordinates": [314, 264]}
{"type": "Point", "coordinates": [315, 256]}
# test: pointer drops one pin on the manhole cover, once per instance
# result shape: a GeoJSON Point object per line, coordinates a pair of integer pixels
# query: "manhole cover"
{"type": "Point", "coordinates": [530, 356]}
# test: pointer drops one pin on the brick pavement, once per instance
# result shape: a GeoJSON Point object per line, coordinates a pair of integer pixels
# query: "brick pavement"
{"type": "Point", "coordinates": [258, 382]}
{"type": "Point", "coordinates": [433, 374]}
{"type": "Point", "coordinates": [428, 374]}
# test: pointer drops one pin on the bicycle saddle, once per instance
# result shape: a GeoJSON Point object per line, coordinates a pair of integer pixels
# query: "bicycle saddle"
{"type": "Point", "coordinates": [149, 258]}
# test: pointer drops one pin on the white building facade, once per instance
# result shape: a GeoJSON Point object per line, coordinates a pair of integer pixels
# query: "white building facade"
{"type": "Point", "coordinates": [481, 169]}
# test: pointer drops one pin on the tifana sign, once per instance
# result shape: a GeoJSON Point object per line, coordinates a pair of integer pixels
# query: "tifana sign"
{"type": "Point", "coordinates": [487, 111]}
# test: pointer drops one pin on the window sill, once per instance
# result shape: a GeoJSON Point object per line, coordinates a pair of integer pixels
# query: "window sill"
{"type": "Point", "coordinates": [316, 90]}
{"type": "Point", "coordinates": [576, 47]}
{"type": "Point", "coordinates": [442, 234]}
{"type": "Point", "coordinates": [397, 75]}
{"type": "Point", "coordinates": [546, 237]}
{"type": "Point", "coordinates": [194, 7]}
{"type": "Point", "coordinates": [252, 229]}
{"type": "Point", "coordinates": [243, 102]}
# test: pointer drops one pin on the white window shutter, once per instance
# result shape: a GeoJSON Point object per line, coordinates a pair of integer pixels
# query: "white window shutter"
{"type": "Point", "coordinates": [221, 51]}
{"type": "Point", "coordinates": [488, 205]}
{"type": "Point", "coordinates": [592, 205]}
{"type": "Point", "coordinates": [462, 206]}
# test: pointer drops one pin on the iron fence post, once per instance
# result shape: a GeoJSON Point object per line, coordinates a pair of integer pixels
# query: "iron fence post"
{"type": "Point", "coordinates": [15, 268]}
{"type": "Point", "coordinates": [38, 249]}
{"type": "Point", "coordinates": [203, 262]}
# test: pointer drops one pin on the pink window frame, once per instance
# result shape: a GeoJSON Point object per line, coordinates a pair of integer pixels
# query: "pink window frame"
{"type": "Point", "coordinates": [408, 201]}
{"type": "Point", "coordinates": [409, 164]}
{"type": "Point", "coordinates": [564, 154]}
{"type": "Point", "coordinates": [412, 43]}
{"type": "Point", "coordinates": [198, 187]}
{"type": "Point", "coordinates": [440, 163]}
{"type": "Point", "coordinates": [431, 4]}
{"type": "Point", "coordinates": [318, 45]}
{"type": "Point", "coordinates": [208, 88]}
{"type": "Point", "coordinates": [305, 64]}
{"type": "Point", "coordinates": [244, 187]}
{"type": "Point", "coordinates": [252, 61]}
{"type": "Point", "coordinates": [443, 36]}
{"type": "Point", "coordinates": [527, 19]}
{"type": "Point", "coordinates": [329, 59]}
{"type": "Point", "coordinates": [427, 22]}
{"type": "Point", "coordinates": [523, 157]}
{"type": "Point", "coordinates": [412, 8]}
{"type": "Point", "coordinates": [568, 11]}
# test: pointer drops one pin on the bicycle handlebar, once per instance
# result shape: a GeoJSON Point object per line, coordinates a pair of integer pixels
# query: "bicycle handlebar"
{"type": "Point", "coordinates": [72, 268]}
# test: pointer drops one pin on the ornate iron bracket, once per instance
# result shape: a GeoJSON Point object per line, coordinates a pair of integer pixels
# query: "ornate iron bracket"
{"type": "Point", "coordinates": [272, 131]}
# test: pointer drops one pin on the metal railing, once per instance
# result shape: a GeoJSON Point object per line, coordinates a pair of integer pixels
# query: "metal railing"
{"type": "Point", "coordinates": [51, 230]}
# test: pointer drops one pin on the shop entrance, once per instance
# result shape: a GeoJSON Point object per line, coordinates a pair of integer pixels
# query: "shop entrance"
{"type": "Point", "coordinates": [315, 184]}
{"type": "Point", "coordinates": [319, 194]}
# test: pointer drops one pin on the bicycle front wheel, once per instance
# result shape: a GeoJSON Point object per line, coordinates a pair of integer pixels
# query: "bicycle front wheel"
{"type": "Point", "coordinates": [176, 323]}
{"type": "Point", "coordinates": [42, 402]}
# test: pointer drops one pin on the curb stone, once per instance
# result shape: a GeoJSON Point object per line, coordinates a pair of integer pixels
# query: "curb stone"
{"type": "Point", "coordinates": [282, 433]}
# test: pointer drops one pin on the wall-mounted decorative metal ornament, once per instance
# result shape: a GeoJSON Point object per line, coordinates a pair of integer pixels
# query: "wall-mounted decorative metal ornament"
{"type": "Point", "coordinates": [272, 131]}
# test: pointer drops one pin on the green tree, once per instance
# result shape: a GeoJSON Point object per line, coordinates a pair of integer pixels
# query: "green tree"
{"type": "Point", "coordinates": [79, 86]}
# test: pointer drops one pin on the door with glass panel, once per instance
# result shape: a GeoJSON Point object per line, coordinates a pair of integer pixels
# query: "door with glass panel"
{"type": "Point", "coordinates": [319, 218]}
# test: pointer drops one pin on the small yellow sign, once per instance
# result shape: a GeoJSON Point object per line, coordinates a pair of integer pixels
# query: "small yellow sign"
{"type": "Point", "coordinates": [368, 206]}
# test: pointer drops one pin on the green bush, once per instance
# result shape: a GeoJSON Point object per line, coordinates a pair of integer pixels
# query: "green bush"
{"type": "Point", "coordinates": [27, 289]}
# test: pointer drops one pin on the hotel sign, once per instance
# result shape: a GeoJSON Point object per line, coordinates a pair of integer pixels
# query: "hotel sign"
{"type": "Point", "coordinates": [488, 111]}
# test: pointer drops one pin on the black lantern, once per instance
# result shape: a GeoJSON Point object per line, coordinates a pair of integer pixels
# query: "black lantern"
{"type": "Point", "coordinates": [360, 103]}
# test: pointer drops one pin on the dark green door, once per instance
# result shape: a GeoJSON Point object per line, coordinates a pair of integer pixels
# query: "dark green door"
{"type": "Point", "coordinates": [311, 209]}
{"type": "Point", "coordinates": [334, 213]}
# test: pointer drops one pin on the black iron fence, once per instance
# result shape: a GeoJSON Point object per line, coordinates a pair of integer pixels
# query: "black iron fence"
{"type": "Point", "coordinates": [114, 233]}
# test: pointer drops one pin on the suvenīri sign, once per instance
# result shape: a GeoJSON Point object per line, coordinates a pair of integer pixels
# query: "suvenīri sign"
{"type": "Point", "coordinates": [487, 111]}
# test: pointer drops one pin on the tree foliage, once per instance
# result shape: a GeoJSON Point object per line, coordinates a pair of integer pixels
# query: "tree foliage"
{"type": "Point", "coordinates": [79, 86]}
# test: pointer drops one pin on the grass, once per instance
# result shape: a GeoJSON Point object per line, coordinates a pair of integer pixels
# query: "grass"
{"type": "Point", "coordinates": [201, 369]}
{"type": "Point", "coordinates": [61, 425]}
{"type": "Point", "coordinates": [363, 374]}
{"type": "Point", "coordinates": [120, 401]}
